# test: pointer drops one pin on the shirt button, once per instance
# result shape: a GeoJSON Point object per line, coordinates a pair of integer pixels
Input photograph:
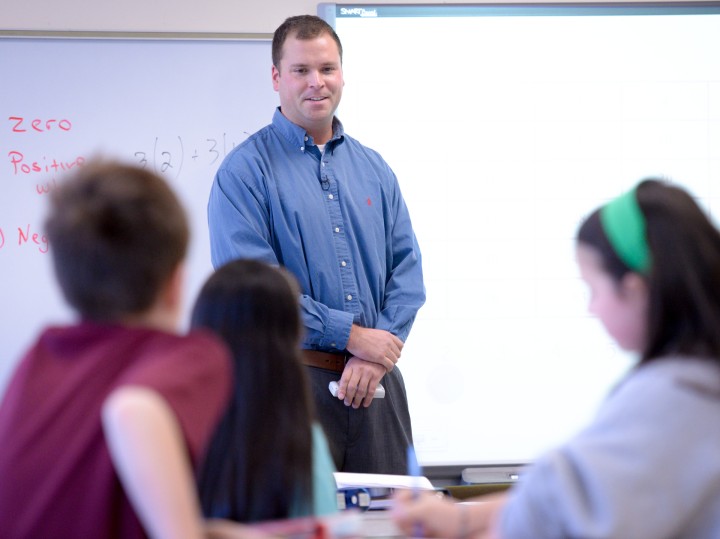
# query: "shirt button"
{"type": "Point", "coordinates": [323, 163]}
{"type": "Point", "coordinates": [330, 196]}
{"type": "Point", "coordinates": [306, 139]}
{"type": "Point", "coordinates": [333, 345]}
{"type": "Point", "coordinates": [337, 229]}
{"type": "Point", "coordinates": [343, 263]}
{"type": "Point", "coordinates": [349, 297]}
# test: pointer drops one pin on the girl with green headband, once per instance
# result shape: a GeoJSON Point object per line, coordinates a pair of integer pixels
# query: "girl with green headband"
{"type": "Point", "coordinates": [648, 466]}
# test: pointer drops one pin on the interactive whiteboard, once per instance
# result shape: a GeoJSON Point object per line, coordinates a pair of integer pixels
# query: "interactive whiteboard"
{"type": "Point", "coordinates": [506, 124]}
{"type": "Point", "coordinates": [175, 105]}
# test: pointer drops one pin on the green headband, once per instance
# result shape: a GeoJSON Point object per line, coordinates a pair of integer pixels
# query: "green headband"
{"type": "Point", "coordinates": [624, 225]}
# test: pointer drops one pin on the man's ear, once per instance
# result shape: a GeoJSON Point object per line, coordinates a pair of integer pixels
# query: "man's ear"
{"type": "Point", "coordinates": [275, 78]}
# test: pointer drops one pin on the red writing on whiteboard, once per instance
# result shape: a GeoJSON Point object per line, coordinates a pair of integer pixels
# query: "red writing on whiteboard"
{"type": "Point", "coordinates": [25, 238]}
{"type": "Point", "coordinates": [2, 239]}
{"type": "Point", "coordinates": [36, 125]}
{"type": "Point", "coordinates": [45, 188]}
{"type": "Point", "coordinates": [17, 160]}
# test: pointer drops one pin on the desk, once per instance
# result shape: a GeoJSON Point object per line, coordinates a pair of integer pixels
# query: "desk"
{"type": "Point", "coordinates": [379, 524]}
{"type": "Point", "coordinates": [351, 524]}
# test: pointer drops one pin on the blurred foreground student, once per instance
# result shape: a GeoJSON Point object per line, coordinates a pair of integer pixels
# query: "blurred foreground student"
{"type": "Point", "coordinates": [268, 458]}
{"type": "Point", "coordinates": [648, 466]}
{"type": "Point", "coordinates": [102, 419]}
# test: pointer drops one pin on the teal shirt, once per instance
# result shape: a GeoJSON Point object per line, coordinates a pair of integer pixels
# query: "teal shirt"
{"type": "Point", "coordinates": [324, 486]}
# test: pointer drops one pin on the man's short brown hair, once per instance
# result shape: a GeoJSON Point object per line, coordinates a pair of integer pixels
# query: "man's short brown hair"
{"type": "Point", "coordinates": [302, 27]}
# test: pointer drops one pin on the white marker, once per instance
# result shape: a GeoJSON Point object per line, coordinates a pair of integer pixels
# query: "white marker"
{"type": "Point", "coordinates": [379, 391]}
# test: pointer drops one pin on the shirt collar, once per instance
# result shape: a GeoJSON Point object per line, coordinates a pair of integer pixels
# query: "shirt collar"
{"type": "Point", "coordinates": [299, 137]}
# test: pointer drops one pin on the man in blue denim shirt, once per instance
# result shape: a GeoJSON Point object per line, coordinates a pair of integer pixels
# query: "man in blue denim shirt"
{"type": "Point", "coordinates": [303, 194]}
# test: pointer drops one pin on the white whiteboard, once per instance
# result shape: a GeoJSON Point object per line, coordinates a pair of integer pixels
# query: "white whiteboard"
{"type": "Point", "coordinates": [506, 124]}
{"type": "Point", "coordinates": [176, 105]}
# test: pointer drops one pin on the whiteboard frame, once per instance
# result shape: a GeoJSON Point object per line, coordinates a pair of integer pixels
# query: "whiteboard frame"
{"type": "Point", "coordinates": [136, 35]}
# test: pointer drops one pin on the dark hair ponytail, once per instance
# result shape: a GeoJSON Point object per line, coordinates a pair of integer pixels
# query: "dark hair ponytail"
{"type": "Point", "coordinates": [259, 463]}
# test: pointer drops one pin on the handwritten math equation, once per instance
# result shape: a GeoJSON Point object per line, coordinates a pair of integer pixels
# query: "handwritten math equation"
{"type": "Point", "coordinates": [168, 156]}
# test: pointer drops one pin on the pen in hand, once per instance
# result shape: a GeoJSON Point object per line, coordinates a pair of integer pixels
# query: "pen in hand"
{"type": "Point", "coordinates": [414, 471]}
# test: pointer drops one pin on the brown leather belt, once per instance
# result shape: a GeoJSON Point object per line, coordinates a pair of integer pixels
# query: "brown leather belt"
{"type": "Point", "coordinates": [324, 360]}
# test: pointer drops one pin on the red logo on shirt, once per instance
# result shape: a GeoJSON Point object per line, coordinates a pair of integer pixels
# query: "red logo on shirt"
{"type": "Point", "coordinates": [369, 202]}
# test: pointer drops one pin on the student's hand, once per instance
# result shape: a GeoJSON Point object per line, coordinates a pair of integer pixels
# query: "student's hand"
{"type": "Point", "coordinates": [437, 517]}
{"type": "Point", "coordinates": [375, 345]}
{"type": "Point", "coordinates": [359, 381]}
{"type": "Point", "coordinates": [425, 514]}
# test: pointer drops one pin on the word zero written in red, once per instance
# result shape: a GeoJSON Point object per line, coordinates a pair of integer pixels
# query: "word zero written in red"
{"type": "Point", "coordinates": [21, 165]}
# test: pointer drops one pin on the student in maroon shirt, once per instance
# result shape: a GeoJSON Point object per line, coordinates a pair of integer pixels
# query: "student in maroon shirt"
{"type": "Point", "coordinates": [104, 420]}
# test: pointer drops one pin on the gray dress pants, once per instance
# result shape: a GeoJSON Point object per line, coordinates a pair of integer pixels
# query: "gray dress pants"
{"type": "Point", "coordinates": [366, 440]}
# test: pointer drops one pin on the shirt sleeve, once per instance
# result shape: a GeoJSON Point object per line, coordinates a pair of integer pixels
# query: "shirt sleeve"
{"type": "Point", "coordinates": [238, 221]}
{"type": "Point", "coordinates": [324, 327]}
{"type": "Point", "coordinates": [405, 289]}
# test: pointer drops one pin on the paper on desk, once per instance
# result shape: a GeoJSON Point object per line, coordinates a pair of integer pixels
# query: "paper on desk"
{"type": "Point", "coordinates": [370, 480]}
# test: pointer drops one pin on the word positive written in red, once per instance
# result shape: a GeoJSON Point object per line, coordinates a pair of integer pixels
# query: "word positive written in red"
{"type": "Point", "coordinates": [20, 124]}
{"type": "Point", "coordinates": [22, 166]}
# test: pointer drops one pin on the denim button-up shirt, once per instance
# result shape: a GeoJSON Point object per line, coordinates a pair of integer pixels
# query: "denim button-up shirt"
{"type": "Point", "coordinates": [336, 220]}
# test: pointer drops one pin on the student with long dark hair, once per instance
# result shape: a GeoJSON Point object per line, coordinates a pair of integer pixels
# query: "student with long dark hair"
{"type": "Point", "coordinates": [268, 458]}
{"type": "Point", "coordinates": [648, 466]}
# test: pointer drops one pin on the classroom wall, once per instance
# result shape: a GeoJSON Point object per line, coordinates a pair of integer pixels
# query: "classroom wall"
{"type": "Point", "coordinates": [237, 16]}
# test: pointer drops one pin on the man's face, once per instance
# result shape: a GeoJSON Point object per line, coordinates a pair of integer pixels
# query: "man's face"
{"type": "Point", "coordinates": [309, 80]}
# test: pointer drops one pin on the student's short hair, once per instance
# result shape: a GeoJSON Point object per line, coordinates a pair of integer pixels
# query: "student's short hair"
{"type": "Point", "coordinates": [117, 233]}
{"type": "Point", "coordinates": [301, 27]}
{"type": "Point", "coordinates": [684, 274]}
